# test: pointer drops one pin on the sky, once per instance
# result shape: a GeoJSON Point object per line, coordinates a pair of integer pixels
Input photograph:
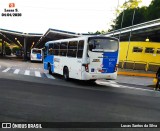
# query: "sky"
{"type": "Point", "coordinates": [79, 16]}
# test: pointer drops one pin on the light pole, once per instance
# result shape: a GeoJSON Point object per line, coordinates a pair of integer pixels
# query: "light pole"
{"type": "Point", "coordinates": [116, 18]}
{"type": "Point", "coordinates": [130, 33]}
{"type": "Point", "coordinates": [121, 23]}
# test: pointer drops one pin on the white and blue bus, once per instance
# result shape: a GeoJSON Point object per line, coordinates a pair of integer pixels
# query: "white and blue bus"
{"type": "Point", "coordinates": [36, 55]}
{"type": "Point", "coordinates": [83, 58]}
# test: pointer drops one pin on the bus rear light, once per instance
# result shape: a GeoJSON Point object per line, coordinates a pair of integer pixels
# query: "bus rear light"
{"type": "Point", "coordinates": [102, 71]}
{"type": "Point", "coordinates": [116, 68]}
{"type": "Point", "coordinates": [86, 67]}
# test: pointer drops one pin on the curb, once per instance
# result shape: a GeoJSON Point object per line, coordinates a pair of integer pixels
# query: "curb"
{"type": "Point", "coordinates": [136, 74]}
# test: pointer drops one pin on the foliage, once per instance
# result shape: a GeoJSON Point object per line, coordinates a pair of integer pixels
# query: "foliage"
{"type": "Point", "coordinates": [8, 50]}
{"type": "Point", "coordinates": [98, 32]}
{"type": "Point", "coordinates": [128, 15]}
{"type": "Point", "coordinates": [131, 4]}
{"type": "Point", "coordinates": [153, 10]}
{"type": "Point", "coordinates": [142, 14]}
{"type": "Point", "coordinates": [14, 49]}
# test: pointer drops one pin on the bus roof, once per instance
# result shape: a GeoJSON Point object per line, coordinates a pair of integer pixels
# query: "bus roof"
{"type": "Point", "coordinates": [80, 38]}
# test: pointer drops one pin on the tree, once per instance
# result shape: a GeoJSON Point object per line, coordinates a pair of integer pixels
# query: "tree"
{"type": "Point", "coordinates": [14, 49]}
{"type": "Point", "coordinates": [8, 50]}
{"type": "Point", "coordinates": [131, 4]}
{"type": "Point", "coordinates": [97, 32]}
{"type": "Point", "coordinates": [129, 9]}
{"type": "Point", "coordinates": [153, 10]}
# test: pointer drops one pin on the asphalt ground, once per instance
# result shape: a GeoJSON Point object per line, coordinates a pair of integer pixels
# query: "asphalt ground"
{"type": "Point", "coordinates": [61, 101]}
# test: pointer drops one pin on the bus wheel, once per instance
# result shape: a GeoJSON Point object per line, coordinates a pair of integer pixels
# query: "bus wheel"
{"type": "Point", "coordinates": [49, 69]}
{"type": "Point", "coordinates": [91, 81]}
{"type": "Point", "coordinates": [66, 73]}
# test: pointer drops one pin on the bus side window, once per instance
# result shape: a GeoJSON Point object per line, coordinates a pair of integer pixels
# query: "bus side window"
{"type": "Point", "coordinates": [56, 48]}
{"type": "Point", "coordinates": [80, 49]}
{"type": "Point", "coordinates": [72, 49]}
{"type": "Point", "coordinates": [91, 44]}
{"type": "Point", "coordinates": [50, 50]}
{"type": "Point", "coordinates": [63, 48]}
{"type": "Point", "coordinates": [45, 51]}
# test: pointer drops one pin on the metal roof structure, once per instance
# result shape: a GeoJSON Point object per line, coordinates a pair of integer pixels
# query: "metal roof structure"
{"type": "Point", "coordinates": [30, 40]}
{"type": "Point", "coordinates": [150, 29]}
{"type": "Point", "coordinates": [18, 37]}
{"type": "Point", "coordinates": [54, 34]}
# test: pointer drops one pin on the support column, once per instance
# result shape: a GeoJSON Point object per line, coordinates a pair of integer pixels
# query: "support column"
{"type": "Point", "coordinates": [2, 48]}
{"type": "Point", "coordinates": [25, 48]}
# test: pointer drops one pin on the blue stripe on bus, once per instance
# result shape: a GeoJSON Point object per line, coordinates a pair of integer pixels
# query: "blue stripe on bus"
{"type": "Point", "coordinates": [109, 61]}
{"type": "Point", "coordinates": [49, 59]}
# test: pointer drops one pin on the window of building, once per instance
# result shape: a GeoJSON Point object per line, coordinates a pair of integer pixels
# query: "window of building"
{"type": "Point", "coordinates": [158, 51]}
{"type": "Point", "coordinates": [137, 49]}
{"type": "Point", "coordinates": [149, 50]}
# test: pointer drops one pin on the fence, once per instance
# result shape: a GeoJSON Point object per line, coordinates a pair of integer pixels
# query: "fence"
{"type": "Point", "coordinates": [139, 65]}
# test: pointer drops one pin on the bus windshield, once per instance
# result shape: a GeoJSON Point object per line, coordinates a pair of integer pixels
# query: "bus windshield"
{"type": "Point", "coordinates": [101, 44]}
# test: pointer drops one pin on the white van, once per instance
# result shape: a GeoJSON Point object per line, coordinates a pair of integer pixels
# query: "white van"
{"type": "Point", "coordinates": [36, 55]}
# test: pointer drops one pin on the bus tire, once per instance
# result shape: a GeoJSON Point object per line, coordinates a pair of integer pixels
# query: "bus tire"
{"type": "Point", "coordinates": [49, 69]}
{"type": "Point", "coordinates": [91, 81]}
{"type": "Point", "coordinates": [66, 73]}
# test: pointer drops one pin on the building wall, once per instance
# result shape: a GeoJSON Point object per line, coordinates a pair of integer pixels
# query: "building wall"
{"type": "Point", "coordinates": [139, 56]}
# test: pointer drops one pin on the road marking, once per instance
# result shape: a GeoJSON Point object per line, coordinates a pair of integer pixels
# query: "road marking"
{"type": "Point", "coordinates": [16, 71]}
{"type": "Point", "coordinates": [111, 81]}
{"type": "Point", "coordinates": [135, 88]}
{"type": "Point", "coordinates": [113, 84]}
{"type": "Point", "coordinates": [27, 72]}
{"type": "Point", "coordinates": [122, 86]}
{"type": "Point", "coordinates": [37, 74]}
{"type": "Point", "coordinates": [6, 70]}
{"type": "Point", "coordinates": [49, 76]}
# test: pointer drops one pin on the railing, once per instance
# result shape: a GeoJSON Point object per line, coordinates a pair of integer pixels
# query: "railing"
{"type": "Point", "coordinates": [139, 65]}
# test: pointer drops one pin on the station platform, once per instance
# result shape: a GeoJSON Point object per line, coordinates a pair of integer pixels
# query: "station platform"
{"type": "Point", "coordinates": [139, 73]}
{"type": "Point", "coordinates": [136, 77]}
